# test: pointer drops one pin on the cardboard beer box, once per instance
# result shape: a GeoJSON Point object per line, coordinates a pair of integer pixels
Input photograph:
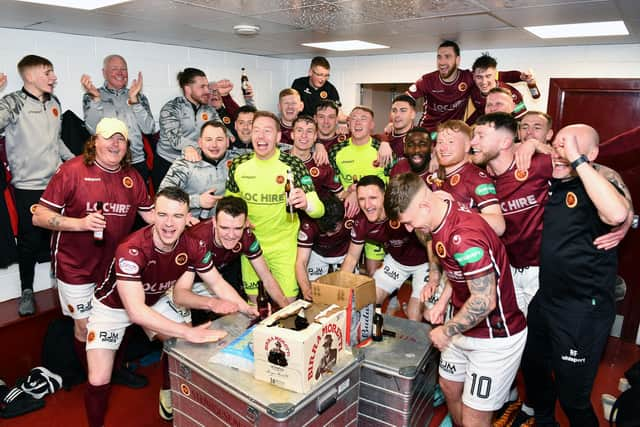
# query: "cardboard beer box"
{"type": "Point", "coordinates": [297, 359]}
{"type": "Point", "coordinates": [356, 293]}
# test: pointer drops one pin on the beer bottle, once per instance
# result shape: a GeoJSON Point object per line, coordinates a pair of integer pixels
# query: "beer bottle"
{"type": "Point", "coordinates": [533, 87]}
{"type": "Point", "coordinates": [288, 186]}
{"type": "Point", "coordinates": [98, 236]}
{"type": "Point", "coordinates": [377, 324]}
{"type": "Point", "coordinates": [244, 82]}
{"type": "Point", "coordinates": [262, 301]}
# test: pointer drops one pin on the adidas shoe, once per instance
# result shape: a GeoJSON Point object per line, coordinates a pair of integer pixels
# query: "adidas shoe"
{"type": "Point", "coordinates": [17, 402]}
{"type": "Point", "coordinates": [504, 417]}
{"type": "Point", "coordinates": [41, 382]}
{"type": "Point", "coordinates": [166, 405]}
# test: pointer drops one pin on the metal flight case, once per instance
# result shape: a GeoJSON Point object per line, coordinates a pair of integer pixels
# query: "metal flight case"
{"type": "Point", "coordinates": [210, 394]}
{"type": "Point", "coordinates": [398, 376]}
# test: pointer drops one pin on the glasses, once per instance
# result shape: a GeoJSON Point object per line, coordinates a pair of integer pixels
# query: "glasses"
{"type": "Point", "coordinates": [315, 73]}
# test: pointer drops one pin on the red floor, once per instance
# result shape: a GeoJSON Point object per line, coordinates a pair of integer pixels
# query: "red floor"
{"type": "Point", "coordinates": [129, 407]}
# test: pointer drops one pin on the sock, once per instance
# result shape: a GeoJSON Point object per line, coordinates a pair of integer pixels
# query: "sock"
{"type": "Point", "coordinates": [166, 381]}
{"type": "Point", "coordinates": [95, 402]}
{"type": "Point", "coordinates": [81, 352]}
{"type": "Point", "coordinates": [527, 410]}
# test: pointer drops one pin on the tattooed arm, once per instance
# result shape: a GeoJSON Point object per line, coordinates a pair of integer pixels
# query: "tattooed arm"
{"type": "Point", "coordinates": [480, 303]}
{"type": "Point", "coordinates": [52, 220]}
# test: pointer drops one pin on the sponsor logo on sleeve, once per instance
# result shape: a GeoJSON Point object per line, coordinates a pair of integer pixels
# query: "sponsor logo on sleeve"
{"type": "Point", "coordinates": [471, 255]}
{"type": "Point", "coordinates": [571, 200]}
{"type": "Point", "coordinates": [206, 258]}
{"type": "Point", "coordinates": [306, 180]}
{"type": "Point", "coordinates": [485, 189]}
{"type": "Point", "coordinates": [255, 247]}
{"type": "Point", "coordinates": [127, 266]}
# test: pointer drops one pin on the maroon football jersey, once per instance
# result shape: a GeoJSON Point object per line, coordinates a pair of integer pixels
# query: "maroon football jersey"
{"type": "Point", "coordinates": [335, 245]}
{"type": "Point", "coordinates": [138, 260]}
{"type": "Point", "coordinates": [522, 198]}
{"type": "Point", "coordinates": [328, 143]}
{"type": "Point", "coordinates": [469, 249]}
{"type": "Point", "coordinates": [479, 101]}
{"type": "Point", "coordinates": [396, 141]}
{"type": "Point", "coordinates": [403, 246]}
{"type": "Point", "coordinates": [324, 178]}
{"type": "Point", "coordinates": [442, 101]}
{"type": "Point", "coordinates": [403, 166]}
{"type": "Point", "coordinates": [285, 132]}
{"type": "Point", "coordinates": [470, 186]}
{"type": "Point", "coordinates": [74, 191]}
{"type": "Point", "coordinates": [248, 244]}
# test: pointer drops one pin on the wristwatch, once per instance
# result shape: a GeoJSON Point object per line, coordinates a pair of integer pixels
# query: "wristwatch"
{"type": "Point", "coordinates": [580, 160]}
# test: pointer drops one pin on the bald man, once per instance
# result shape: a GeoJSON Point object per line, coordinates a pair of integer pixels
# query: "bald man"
{"type": "Point", "coordinates": [572, 313]}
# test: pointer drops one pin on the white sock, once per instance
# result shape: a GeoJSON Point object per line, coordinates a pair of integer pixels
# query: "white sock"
{"type": "Point", "coordinates": [527, 410]}
{"type": "Point", "coordinates": [513, 394]}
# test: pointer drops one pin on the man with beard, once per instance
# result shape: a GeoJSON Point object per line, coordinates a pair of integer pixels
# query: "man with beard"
{"type": "Point", "coordinates": [446, 90]}
{"type": "Point", "coordinates": [417, 154]}
{"type": "Point", "coordinates": [464, 181]}
{"type": "Point", "coordinates": [405, 255]}
{"type": "Point", "coordinates": [30, 120]}
{"type": "Point", "coordinates": [403, 113]}
{"type": "Point", "coordinates": [114, 99]}
{"type": "Point", "coordinates": [180, 122]}
{"type": "Point", "coordinates": [204, 180]}
{"type": "Point", "coordinates": [485, 77]}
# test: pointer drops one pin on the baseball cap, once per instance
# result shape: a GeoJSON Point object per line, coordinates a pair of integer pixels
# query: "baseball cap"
{"type": "Point", "coordinates": [109, 126]}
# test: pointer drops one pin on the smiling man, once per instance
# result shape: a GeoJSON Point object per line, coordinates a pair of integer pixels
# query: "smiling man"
{"type": "Point", "coordinates": [316, 87]}
{"type": "Point", "coordinates": [114, 99]}
{"type": "Point", "coordinates": [261, 178]}
{"type": "Point", "coordinates": [204, 180]}
{"type": "Point", "coordinates": [30, 120]}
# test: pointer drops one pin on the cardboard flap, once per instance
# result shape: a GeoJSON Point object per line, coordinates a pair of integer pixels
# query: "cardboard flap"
{"type": "Point", "coordinates": [339, 287]}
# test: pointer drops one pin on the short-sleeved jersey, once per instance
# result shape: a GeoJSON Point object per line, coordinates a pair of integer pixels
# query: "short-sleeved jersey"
{"type": "Point", "coordinates": [468, 249]}
{"type": "Point", "coordinates": [442, 101]}
{"type": "Point", "coordinates": [574, 273]}
{"type": "Point", "coordinates": [74, 191]}
{"type": "Point", "coordinates": [138, 260]}
{"type": "Point", "coordinates": [403, 246]}
{"type": "Point", "coordinates": [396, 141]}
{"type": "Point", "coordinates": [261, 183]}
{"type": "Point", "coordinates": [522, 198]}
{"type": "Point", "coordinates": [329, 143]}
{"type": "Point", "coordinates": [331, 246]}
{"type": "Point", "coordinates": [469, 185]}
{"type": "Point", "coordinates": [324, 178]}
{"type": "Point", "coordinates": [285, 134]}
{"type": "Point", "coordinates": [247, 246]}
{"type": "Point", "coordinates": [403, 166]}
{"type": "Point", "coordinates": [479, 101]}
{"type": "Point", "coordinates": [312, 96]}
{"type": "Point", "coordinates": [349, 160]}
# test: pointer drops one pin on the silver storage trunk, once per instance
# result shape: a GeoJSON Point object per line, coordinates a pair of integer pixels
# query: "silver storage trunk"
{"type": "Point", "coordinates": [210, 394]}
{"type": "Point", "coordinates": [398, 377]}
